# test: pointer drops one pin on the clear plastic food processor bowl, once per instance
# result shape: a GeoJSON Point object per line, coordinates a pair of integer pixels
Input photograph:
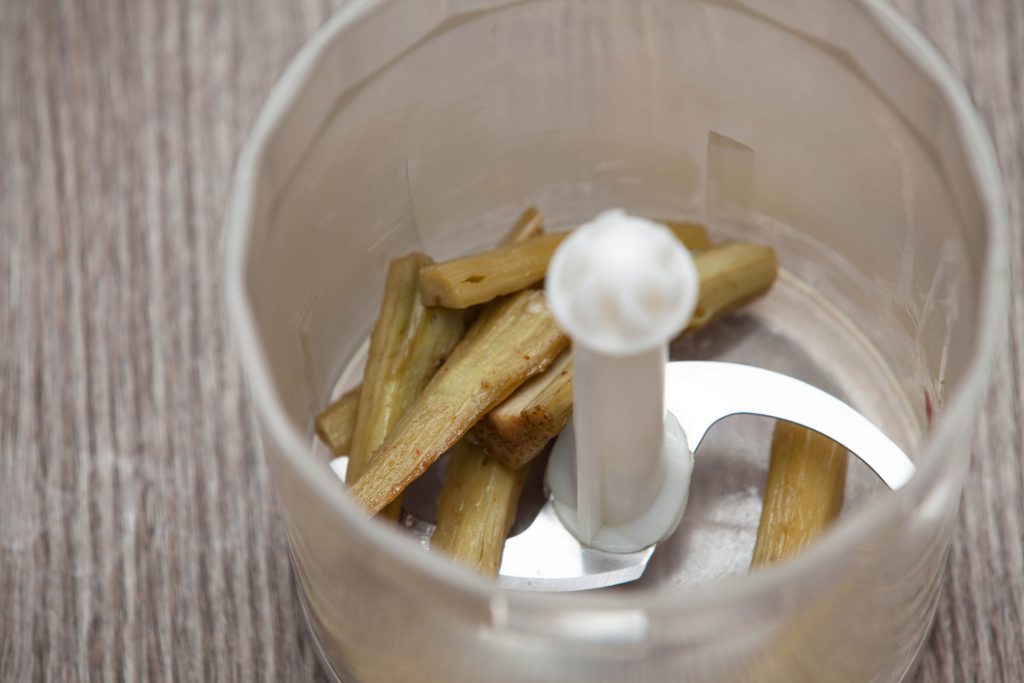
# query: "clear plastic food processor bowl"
{"type": "Point", "coordinates": [826, 128]}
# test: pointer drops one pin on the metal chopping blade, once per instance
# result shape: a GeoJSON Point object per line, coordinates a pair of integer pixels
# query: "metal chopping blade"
{"type": "Point", "coordinates": [546, 557]}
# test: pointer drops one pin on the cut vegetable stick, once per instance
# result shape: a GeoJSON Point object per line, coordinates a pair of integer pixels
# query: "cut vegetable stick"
{"type": "Point", "coordinates": [549, 392]}
{"type": "Point", "coordinates": [515, 431]}
{"type": "Point", "coordinates": [408, 345]}
{"type": "Point", "coordinates": [510, 342]}
{"type": "Point", "coordinates": [803, 494]}
{"type": "Point", "coordinates": [337, 422]}
{"type": "Point", "coordinates": [730, 276]}
{"type": "Point", "coordinates": [472, 280]}
{"type": "Point", "coordinates": [530, 224]}
{"type": "Point", "coordinates": [476, 507]}
{"type": "Point", "coordinates": [401, 365]}
{"type": "Point", "coordinates": [480, 496]}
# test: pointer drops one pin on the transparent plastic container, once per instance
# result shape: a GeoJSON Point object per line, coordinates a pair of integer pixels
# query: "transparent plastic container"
{"type": "Point", "coordinates": [827, 128]}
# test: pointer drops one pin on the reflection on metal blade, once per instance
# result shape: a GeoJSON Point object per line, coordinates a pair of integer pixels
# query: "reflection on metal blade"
{"type": "Point", "coordinates": [546, 557]}
{"type": "Point", "coordinates": [700, 393]}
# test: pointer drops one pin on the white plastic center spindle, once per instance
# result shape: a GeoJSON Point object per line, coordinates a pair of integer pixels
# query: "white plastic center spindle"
{"type": "Point", "coordinates": [622, 287]}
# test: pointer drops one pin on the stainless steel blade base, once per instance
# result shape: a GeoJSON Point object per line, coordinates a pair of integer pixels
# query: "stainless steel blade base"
{"type": "Point", "coordinates": [547, 557]}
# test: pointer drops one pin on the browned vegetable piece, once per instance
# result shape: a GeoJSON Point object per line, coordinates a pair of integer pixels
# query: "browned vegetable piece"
{"type": "Point", "coordinates": [730, 276]}
{"type": "Point", "coordinates": [337, 422]}
{"type": "Point", "coordinates": [803, 494]}
{"type": "Point", "coordinates": [516, 430]}
{"type": "Point", "coordinates": [475, 279]}
{"type": "Point", "coordinates": [477, 507]}
{"type": "Point", "coordinates": [408, 345]}
{"type": "Point", "coordinates": [478, 501]}
{"type": "Point", "coordinates": [479, 498]}
{"type": "Point", "coordinates": [530, 224]}
{"type": "Point", "coordinates": [510, 342]}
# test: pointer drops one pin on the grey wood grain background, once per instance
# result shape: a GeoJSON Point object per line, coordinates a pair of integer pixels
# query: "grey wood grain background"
{"type": "Point", "coordinates": [137, 541]}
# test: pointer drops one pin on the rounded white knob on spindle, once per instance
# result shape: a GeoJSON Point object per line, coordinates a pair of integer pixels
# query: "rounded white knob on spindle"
{"type": "Point", "coordinates": [621, 284]}
{"type": "Point", "coordinates": [622, 287]}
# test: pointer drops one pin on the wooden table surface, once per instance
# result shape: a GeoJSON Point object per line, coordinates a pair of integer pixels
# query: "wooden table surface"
{"type": "Point", "coordinates": [136, 540]}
